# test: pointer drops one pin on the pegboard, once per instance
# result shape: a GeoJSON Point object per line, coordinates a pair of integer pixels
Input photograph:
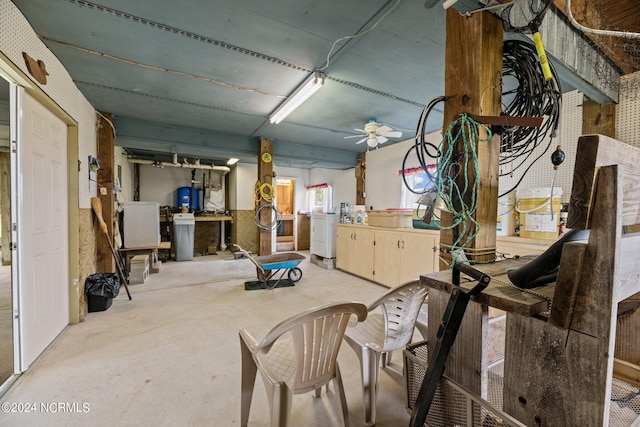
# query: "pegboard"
{"type": "Point", "coordinates": [541, 173]}
{"type": "Point", "coordinates": [17, 36]}
{"type": "Point", "coordinates": [628, 110]}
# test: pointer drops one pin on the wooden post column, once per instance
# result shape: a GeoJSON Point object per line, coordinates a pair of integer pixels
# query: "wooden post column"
{"type": "Point", "coordinates": [473, 67]}
{"type": "Point", "coordinates": [360, 179]}
{"type": "Point", "coordinates": [265, 176]}
{"type": "Point", "coordinates": [106, 139]}
{"type": "Point", "coordinates": [598, 118]}
{"type": "Point", "coordinates": [472, 78]}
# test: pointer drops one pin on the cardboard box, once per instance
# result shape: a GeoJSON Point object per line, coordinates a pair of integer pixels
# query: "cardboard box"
{"type": "Point", "coordinates": [391, 218]}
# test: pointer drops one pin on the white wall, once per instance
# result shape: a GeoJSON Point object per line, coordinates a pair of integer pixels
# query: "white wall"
{"type": "Point", "coordinates": [242, 180]}
{"type": "Point", "coordinates": [127, 175]}
{"type": "Point", "coordinates": [161, 184]}
{"type": "Point", "coordinates": [343, 183]}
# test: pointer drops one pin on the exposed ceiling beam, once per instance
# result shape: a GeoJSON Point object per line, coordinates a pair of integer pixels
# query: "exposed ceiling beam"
{"type": "Point", "coordinates": [590, 14]}
{"type": "Point", "coordinates": [204, 144]}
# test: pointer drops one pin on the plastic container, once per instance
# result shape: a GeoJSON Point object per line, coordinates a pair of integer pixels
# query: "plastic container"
{"type": "Point", "coordinates": [505, 222]}
{"type": "Point", "coordinates": [391, 218]}
{"type": "Point", "coordinates": [189, 198]}
{"type": "Point", "coordinates": [539, 219]}
{"type": "Point", "coordinates": [183, 232]}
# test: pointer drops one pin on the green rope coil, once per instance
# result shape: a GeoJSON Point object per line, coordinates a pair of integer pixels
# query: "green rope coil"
{"type": "Point", "coordinates": [451, 189]}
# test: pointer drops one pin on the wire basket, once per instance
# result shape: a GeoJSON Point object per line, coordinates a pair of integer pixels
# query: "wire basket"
{"type": "Point", "coordinates": [453, 405]}
{"type": "Point", "coordinates": [456, 406]}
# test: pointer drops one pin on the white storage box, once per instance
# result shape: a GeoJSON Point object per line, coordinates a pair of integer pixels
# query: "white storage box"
{"type": "Point", "coordinates": [141, 224]}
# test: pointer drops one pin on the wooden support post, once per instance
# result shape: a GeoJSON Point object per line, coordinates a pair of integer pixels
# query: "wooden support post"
{"type": "Point", "coordinates": [265, 176]}
{"type": "Point", "coordinates": [598, 118]}
{"type": "Point", "coordinates": [106, 139]}
{"type": "Point", "coordinates": [473, 67]}
{"type": "Point", "coordinates": [360, 179]}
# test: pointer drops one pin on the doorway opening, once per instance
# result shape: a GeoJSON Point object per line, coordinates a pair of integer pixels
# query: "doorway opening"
{"type": "Point", "coordinates": [6, 294]}
{"type": "Point", "coordinates": [285, 202]}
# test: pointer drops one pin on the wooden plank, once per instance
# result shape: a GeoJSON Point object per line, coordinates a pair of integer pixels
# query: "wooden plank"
{"type": "Point", "coordinates": [360, 178]}
{"type": "Point", "coordinates": [628, 268]}
{"type": "Point", "coordinates": [594, 297]}
{"type": "Point", "coordinates": [265, 176]}
{"type": "Point", "coordinates": [105, 152]}
{"type": "Point", "coordinates": [554, 377]}
{"type": "Point", "coordinates": [598, 118]}
{"type": "Point", "coordinates": [498, 294]}
{"type": "Point", "coordinates": [467, 361]}
{"type": "Point", "coordinates": [627, 345]}
{"type": "Point", "coordinates": [473, 63]}
{"type": "Point", "coordinates": [595, 151]}
{"type": "Point", "coordinates": [627, 372]}
{"type": "Point", "coordinates": [617, 15]}
{"type": "Point", "coordinates": [564, 298]}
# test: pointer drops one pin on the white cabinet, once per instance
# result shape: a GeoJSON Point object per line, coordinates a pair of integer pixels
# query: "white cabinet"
{"type": "Point", "coordinates": [323, 235]}
{"type": "Point", "coordinates": [401, 255]}
{"type": "Point", "coordinates": [354, 250]}
{"type": "Point", "coordinates": [386, 256]}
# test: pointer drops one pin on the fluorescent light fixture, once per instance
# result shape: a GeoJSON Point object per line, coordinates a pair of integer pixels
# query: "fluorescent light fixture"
{"type": "Point", "coordinates": [232, 161]}
{"type": "Point", "coordinates": [304, 91]}
{"type": "Point", "coordinates": [448, 3]}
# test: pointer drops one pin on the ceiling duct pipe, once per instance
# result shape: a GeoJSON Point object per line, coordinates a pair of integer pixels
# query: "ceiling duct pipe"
{"type": "Point", "coordinates": [224, 169]}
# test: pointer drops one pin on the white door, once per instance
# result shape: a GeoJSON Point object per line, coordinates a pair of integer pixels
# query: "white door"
{"type": "Point", "coordinates": [42, 227]}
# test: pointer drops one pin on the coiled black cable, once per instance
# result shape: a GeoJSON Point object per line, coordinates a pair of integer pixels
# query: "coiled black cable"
{"type": "Point", "coordinates": [533, 97]}
{"type": "Point", "coordinates": [422, 148]}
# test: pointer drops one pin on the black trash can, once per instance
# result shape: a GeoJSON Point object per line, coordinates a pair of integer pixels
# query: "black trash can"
{"type": "Point", "coordinates": [101, 289]}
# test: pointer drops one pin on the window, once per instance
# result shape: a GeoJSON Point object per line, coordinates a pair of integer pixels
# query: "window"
{"type": "Point", "coordinates": [419, 182]}
{"type": "Point", "coordinates": [319, 198]}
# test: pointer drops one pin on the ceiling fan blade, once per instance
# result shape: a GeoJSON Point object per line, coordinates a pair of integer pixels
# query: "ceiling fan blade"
{"type": "Point", "coordinates": [382, 139]}
{"type": "Point", "coordinates": [362, 140]}
{"type": "Point", "coordinates": [383, 129]}
{"type": "Point", "coordinates": [360, 130]}
{"type": "Point", "coordinates": [393, 134]}
{"type": "Point", "coordinates": [353, 136]}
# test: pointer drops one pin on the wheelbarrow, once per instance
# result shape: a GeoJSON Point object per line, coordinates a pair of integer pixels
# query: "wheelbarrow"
{"type": "Point", "coordinates": [268, 267]}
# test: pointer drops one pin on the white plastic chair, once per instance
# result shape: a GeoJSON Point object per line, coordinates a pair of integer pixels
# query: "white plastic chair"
{"type": "Point", "coordinates": [297, 356]}
{"type": "Point", "coordinates": [383, 333]}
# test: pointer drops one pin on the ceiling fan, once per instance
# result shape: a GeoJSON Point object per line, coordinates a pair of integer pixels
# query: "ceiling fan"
{"type": "Point", "coordinates": [375, 133]}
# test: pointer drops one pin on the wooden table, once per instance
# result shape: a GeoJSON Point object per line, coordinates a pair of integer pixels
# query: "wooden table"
{"type": "Point", "coordinates": [468, 360]}
{"type": "Point", "coordinates": [152, 251]}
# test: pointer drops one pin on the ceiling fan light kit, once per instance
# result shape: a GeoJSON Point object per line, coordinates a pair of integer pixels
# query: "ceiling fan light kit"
{"type": "Point", "coordinates": [375, 134]}
{"type": "Point", "coordinates": [310, 86]}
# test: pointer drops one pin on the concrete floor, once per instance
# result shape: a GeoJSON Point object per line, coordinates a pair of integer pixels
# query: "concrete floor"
{"type": "Point", "coordinates": [171, 356]}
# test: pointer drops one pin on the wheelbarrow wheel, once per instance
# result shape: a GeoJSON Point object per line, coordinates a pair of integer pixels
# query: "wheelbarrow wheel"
{"type": "Point", "coordinates": [294, 274]}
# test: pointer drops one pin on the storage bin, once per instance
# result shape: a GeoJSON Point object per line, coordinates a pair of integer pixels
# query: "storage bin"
{"type": "Point", "coordinates": [539, 213]}
{"type": "Point", "coordinates": [391, 218]}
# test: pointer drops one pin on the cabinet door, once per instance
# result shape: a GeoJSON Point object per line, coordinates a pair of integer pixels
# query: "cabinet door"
{"type": "Point", "coordinates": [344, 248]}
{"type": "Point", "coordinates": [386, 258]}
{"type": "Point", "coordinates": [418, 256]}
{"type": "Point", "coordinates": [362, 255]}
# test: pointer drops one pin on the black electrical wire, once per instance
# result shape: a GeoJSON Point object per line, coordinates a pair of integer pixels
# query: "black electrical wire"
{"type": "Point", "coordinates": [422, 148]}
{"type": "Point", "coordinates": [533, 97]}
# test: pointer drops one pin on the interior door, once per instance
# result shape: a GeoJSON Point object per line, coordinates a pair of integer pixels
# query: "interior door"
{"type": "Point", "coordinates": [42, 227]}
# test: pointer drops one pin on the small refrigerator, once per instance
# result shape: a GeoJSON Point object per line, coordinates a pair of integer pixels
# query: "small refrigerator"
{"type": "Point", "coordinates": [141, 224]}
{"type": "Point", "coordinates": [323, 235]}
